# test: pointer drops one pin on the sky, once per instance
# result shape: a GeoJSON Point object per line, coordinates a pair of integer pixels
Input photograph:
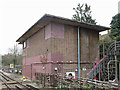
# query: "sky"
{"type": "Point", "coordinates": [17, 16]}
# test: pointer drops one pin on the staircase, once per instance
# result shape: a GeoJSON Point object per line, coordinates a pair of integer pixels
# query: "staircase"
{"type": "Point", "coordinates": [97, 69]}
{"type": "Point", "coordinates": [100, 71]}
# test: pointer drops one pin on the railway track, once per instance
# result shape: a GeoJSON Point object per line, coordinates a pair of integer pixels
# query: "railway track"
{"type": "Point", "coordinates": [10, 84]}
{"type": "Point", "coordinates": [73, 83]}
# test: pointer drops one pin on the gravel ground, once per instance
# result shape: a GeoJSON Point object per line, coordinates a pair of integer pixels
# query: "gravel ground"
{"type": "Point", "coordinates": [18, 78]}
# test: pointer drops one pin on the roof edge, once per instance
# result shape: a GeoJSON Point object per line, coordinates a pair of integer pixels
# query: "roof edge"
{"type": "Point", "coordinates": [46, 18]}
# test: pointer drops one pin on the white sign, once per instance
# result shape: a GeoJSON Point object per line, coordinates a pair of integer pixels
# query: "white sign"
{"type": "Point", "coordinates": [70, 74]}
{"type": "Point", "coordinates": [11, 65]}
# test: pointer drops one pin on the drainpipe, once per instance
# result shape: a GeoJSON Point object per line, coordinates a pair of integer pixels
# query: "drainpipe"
{"type": "Point", "coordinates": [78, 54]}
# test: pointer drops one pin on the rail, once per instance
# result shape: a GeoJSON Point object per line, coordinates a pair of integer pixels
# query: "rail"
{"type": "Point", "coordinates": [11, 84]}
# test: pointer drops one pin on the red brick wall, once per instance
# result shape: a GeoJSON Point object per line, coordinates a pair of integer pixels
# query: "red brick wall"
{"type": "Point", "coordinates": [89, 48]}
{"type": "Point", "coordinates": [43, 48]}
{"type": "Point", "coordinates": [67, 48]}
{"type": "Point", "coordinates": [38, 51]}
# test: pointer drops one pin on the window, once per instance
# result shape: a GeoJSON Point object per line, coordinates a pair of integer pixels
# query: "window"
{"type": "Point", "coordinates": [26, 44]}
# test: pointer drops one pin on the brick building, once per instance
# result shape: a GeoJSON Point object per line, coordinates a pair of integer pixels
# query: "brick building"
{"type": "Point", "coordinates": [51, 46]}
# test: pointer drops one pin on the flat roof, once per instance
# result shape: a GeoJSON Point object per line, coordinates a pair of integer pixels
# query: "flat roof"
{"type": "Point", "coordinates": [46, 19]}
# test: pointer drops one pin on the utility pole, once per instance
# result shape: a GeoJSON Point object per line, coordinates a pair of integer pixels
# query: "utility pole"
{"type": "Point", "coordinates": [14, 55]}
{"type": "Point", "coordinates": [119, 7]}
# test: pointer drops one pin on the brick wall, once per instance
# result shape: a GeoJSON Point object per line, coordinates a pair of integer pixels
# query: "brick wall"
{"type": "Point", "coordinates": [89, 48]}
{"type": "Point", "coordinates": [67, 48]}
{"type": "Point", "coordinates": [53, 45]}
{"type": "Point", "coordinates": [38, 51]}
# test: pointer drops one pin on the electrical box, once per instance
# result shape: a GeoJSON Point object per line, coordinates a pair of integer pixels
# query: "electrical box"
{"type": "Point", "coordinates": [70, 74]}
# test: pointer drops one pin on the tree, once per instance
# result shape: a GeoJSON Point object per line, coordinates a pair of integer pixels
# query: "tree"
{"type": "Point", "coordinates": [115, 27]}
{"type": "Point", "coordinates": [14, 56]}
{"type": "Point", "coordinates": [83, 14]}
{"type": "Point", "coordinates": [104, 40]}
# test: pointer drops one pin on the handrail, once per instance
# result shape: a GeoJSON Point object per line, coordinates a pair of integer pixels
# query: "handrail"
{"type": "Point", "coordinates": [97, 64]}
{"type": "Point", "coordinates": [110, 53]}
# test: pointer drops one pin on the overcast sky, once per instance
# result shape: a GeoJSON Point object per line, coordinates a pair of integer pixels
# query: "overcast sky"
{"type": "Point", "coordinates": [17, 16]}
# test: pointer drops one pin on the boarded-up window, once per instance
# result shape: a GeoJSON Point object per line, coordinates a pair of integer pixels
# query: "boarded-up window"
{"type": "Point", "coordinates": [54, 30]}
{"type": "Point", "coordinates": [47, 31]}
{"type": "Point", "coordinates": [27, 42]}
{"type": "Point", "coordinates": [57, 30]}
